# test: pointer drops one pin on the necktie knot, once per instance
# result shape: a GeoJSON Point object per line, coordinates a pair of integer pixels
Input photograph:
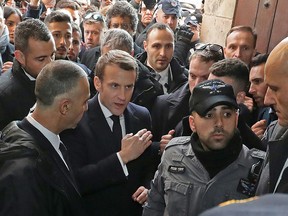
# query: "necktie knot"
{"type": "Point", "coordinates": [115, 119]}
{"type": "Point", "coordinates": [157, 76]}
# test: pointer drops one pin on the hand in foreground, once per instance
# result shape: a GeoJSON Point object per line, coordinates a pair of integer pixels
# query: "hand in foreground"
{"type": "Point", "coordinates": [6, 66]}
{"type": "Point", "coordinates": [140, 195]}
{"type": "Point", "coordinates": [165, 140]}
{"type": "Point", "coordinates": [248, 102]}
{"type": "Point", "coordinates": [132, 146]}
{"type": "Point", "coordinates": [259, 128]}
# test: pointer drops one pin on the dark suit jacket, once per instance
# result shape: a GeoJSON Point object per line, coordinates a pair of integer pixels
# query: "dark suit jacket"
{"type": "Point", "coordinates": [16, 95]}
{"type": "Point", "coordinates": [168, 111]}
{"type": "Point", "coordinates": [106, 189]}
{"type": "Point", "coordinates": [38, 177]}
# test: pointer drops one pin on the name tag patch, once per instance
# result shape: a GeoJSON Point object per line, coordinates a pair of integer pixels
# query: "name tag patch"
{"type": "Point", "coordinates": [176, 169]}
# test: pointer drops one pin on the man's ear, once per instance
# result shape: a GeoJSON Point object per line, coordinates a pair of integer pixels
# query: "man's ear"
{"type": "Point", "coordinates": [20, 57]}
{"type": "Point", "coordinates": [64, 106]}
{"type": "Point", "coordinates": [145, 45]}
{"type": "Point", "coordinates": [97, 83]}
{"type": "Point", "coordinates": [132, 53]}
{"type": "Point", "coordinates": [224, 49]}
{"type": "Point", "coordinates": [237, 118]}
{"type": "Point", "coordinates": [240, 97]}
{"type": "Point", "coordinates": [192, 123]}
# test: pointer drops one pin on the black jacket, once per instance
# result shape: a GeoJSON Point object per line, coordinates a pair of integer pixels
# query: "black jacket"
{"type": "Point", "coordinates": [146, 89]}
{"type": "Point", "coordinates": [179, 72]}
{"type": "Point", "coordinates": [168, 111]}
{"type": "Point", "coordinates": [16, 95]}
{"type": "Point", "coordinates": [33, 179]}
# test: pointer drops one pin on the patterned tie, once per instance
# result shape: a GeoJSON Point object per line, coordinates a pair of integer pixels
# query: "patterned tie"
{"type": "Point", "coordinates": [116, 129]}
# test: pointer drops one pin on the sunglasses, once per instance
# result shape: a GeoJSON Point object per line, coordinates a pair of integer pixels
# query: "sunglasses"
{"type": "Point", "coordinates": [208, 46]}
{"type": "Point", "coordinates": [95, 15]}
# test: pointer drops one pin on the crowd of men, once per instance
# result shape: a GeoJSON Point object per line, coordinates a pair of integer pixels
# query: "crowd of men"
{"type": "Point", "coordinates": [116, 108]}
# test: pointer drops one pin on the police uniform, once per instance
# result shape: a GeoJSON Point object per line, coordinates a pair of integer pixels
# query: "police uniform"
{"type": "Point", "coordinates": [182, 186]}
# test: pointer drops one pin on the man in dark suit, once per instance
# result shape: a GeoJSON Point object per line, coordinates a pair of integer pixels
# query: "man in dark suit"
{"type": "Point", "coordinates": [34, 48]}
{"type": "Point", "coordinates": [112, 174]}
{"type": "Point", "coordinates": [36, 176]}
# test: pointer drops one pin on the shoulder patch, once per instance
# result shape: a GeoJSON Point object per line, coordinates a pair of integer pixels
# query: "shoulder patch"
{"type": "Point", "coordinates": [176, 169]}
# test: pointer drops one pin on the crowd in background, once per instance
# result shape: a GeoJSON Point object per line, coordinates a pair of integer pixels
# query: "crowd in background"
{"type": "Point", "coordinates": [117, 108]}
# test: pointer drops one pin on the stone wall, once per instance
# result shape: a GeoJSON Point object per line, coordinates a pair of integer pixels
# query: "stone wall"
{"type": "Point", "coordinates": [217, 20]}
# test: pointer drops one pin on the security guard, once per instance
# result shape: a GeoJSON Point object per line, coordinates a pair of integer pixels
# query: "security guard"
{"type": "Point", "coordinates": [210, 167]}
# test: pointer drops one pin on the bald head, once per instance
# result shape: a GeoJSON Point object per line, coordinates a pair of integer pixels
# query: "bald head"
{"type": "Point", "coordinates": [276, 77]}
{"type": "Point", "coordinates": [278, 58]}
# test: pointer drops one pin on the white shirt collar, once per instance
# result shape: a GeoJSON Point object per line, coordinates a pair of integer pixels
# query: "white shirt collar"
{"type": "Point", "coordinates": [28, 75]}
{"type": "Point", "coordinates": [104, 109]}
{"type": "Point", "coordinates": [52, 137]}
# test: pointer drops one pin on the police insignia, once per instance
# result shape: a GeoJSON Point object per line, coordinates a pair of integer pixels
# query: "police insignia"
{"type": "Point", "coordinates": [176, 169]}
{"type": "Point", "coordinates": [214, 89]}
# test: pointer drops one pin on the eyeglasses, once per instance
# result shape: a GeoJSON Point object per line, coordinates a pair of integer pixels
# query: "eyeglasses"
{"type": "Point", "coordinates": [94, 15]}
{"type": "Point", "coordinates": [209, 47]}
{"type": "Point", "coordinates": [122, 26]}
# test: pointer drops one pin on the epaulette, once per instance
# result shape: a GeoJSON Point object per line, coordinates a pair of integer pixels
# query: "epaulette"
{"type": "Point", "coordinates": [256, 153]}
{"type": "Point", "coordinates": [183, 140]}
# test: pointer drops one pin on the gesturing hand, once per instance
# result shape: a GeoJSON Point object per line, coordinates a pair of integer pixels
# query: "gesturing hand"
{"type": "Point", "coordinates": [132, 146]}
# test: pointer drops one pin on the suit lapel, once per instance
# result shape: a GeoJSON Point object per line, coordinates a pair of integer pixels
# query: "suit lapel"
{"type": "Point", "coordinates": [131, 120]}
{"type": "Point", "coordinates": [99, 126]}
{"type": "Point", "coordinates": [51, 165]}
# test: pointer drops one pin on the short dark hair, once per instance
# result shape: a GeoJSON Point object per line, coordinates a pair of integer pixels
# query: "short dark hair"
{"type": "Point", "coordinates": [57, 16]}
{"type": "Point", "coordinates": [57, 78]}
{"type": "Point", "coordinates": [243, 29]}
{"type": "Point", "coordinates": [115, 57]}
{"type": "Point", "coordinates": [233, 68]}
{"type": "Point", "coordinates": [68, 4]}
{"type": "Point", "coordinates": [30, 28]}
{"type": "Point", "coordinates": [259, 59]}
{"type": "Point", "coordinates": [122, 9]}
{"type": "Point", "coordinates": [159, 26]}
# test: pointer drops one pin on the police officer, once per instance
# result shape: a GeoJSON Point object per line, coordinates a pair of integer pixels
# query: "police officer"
{"type": "Point", "coordinates": [212, 166]}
